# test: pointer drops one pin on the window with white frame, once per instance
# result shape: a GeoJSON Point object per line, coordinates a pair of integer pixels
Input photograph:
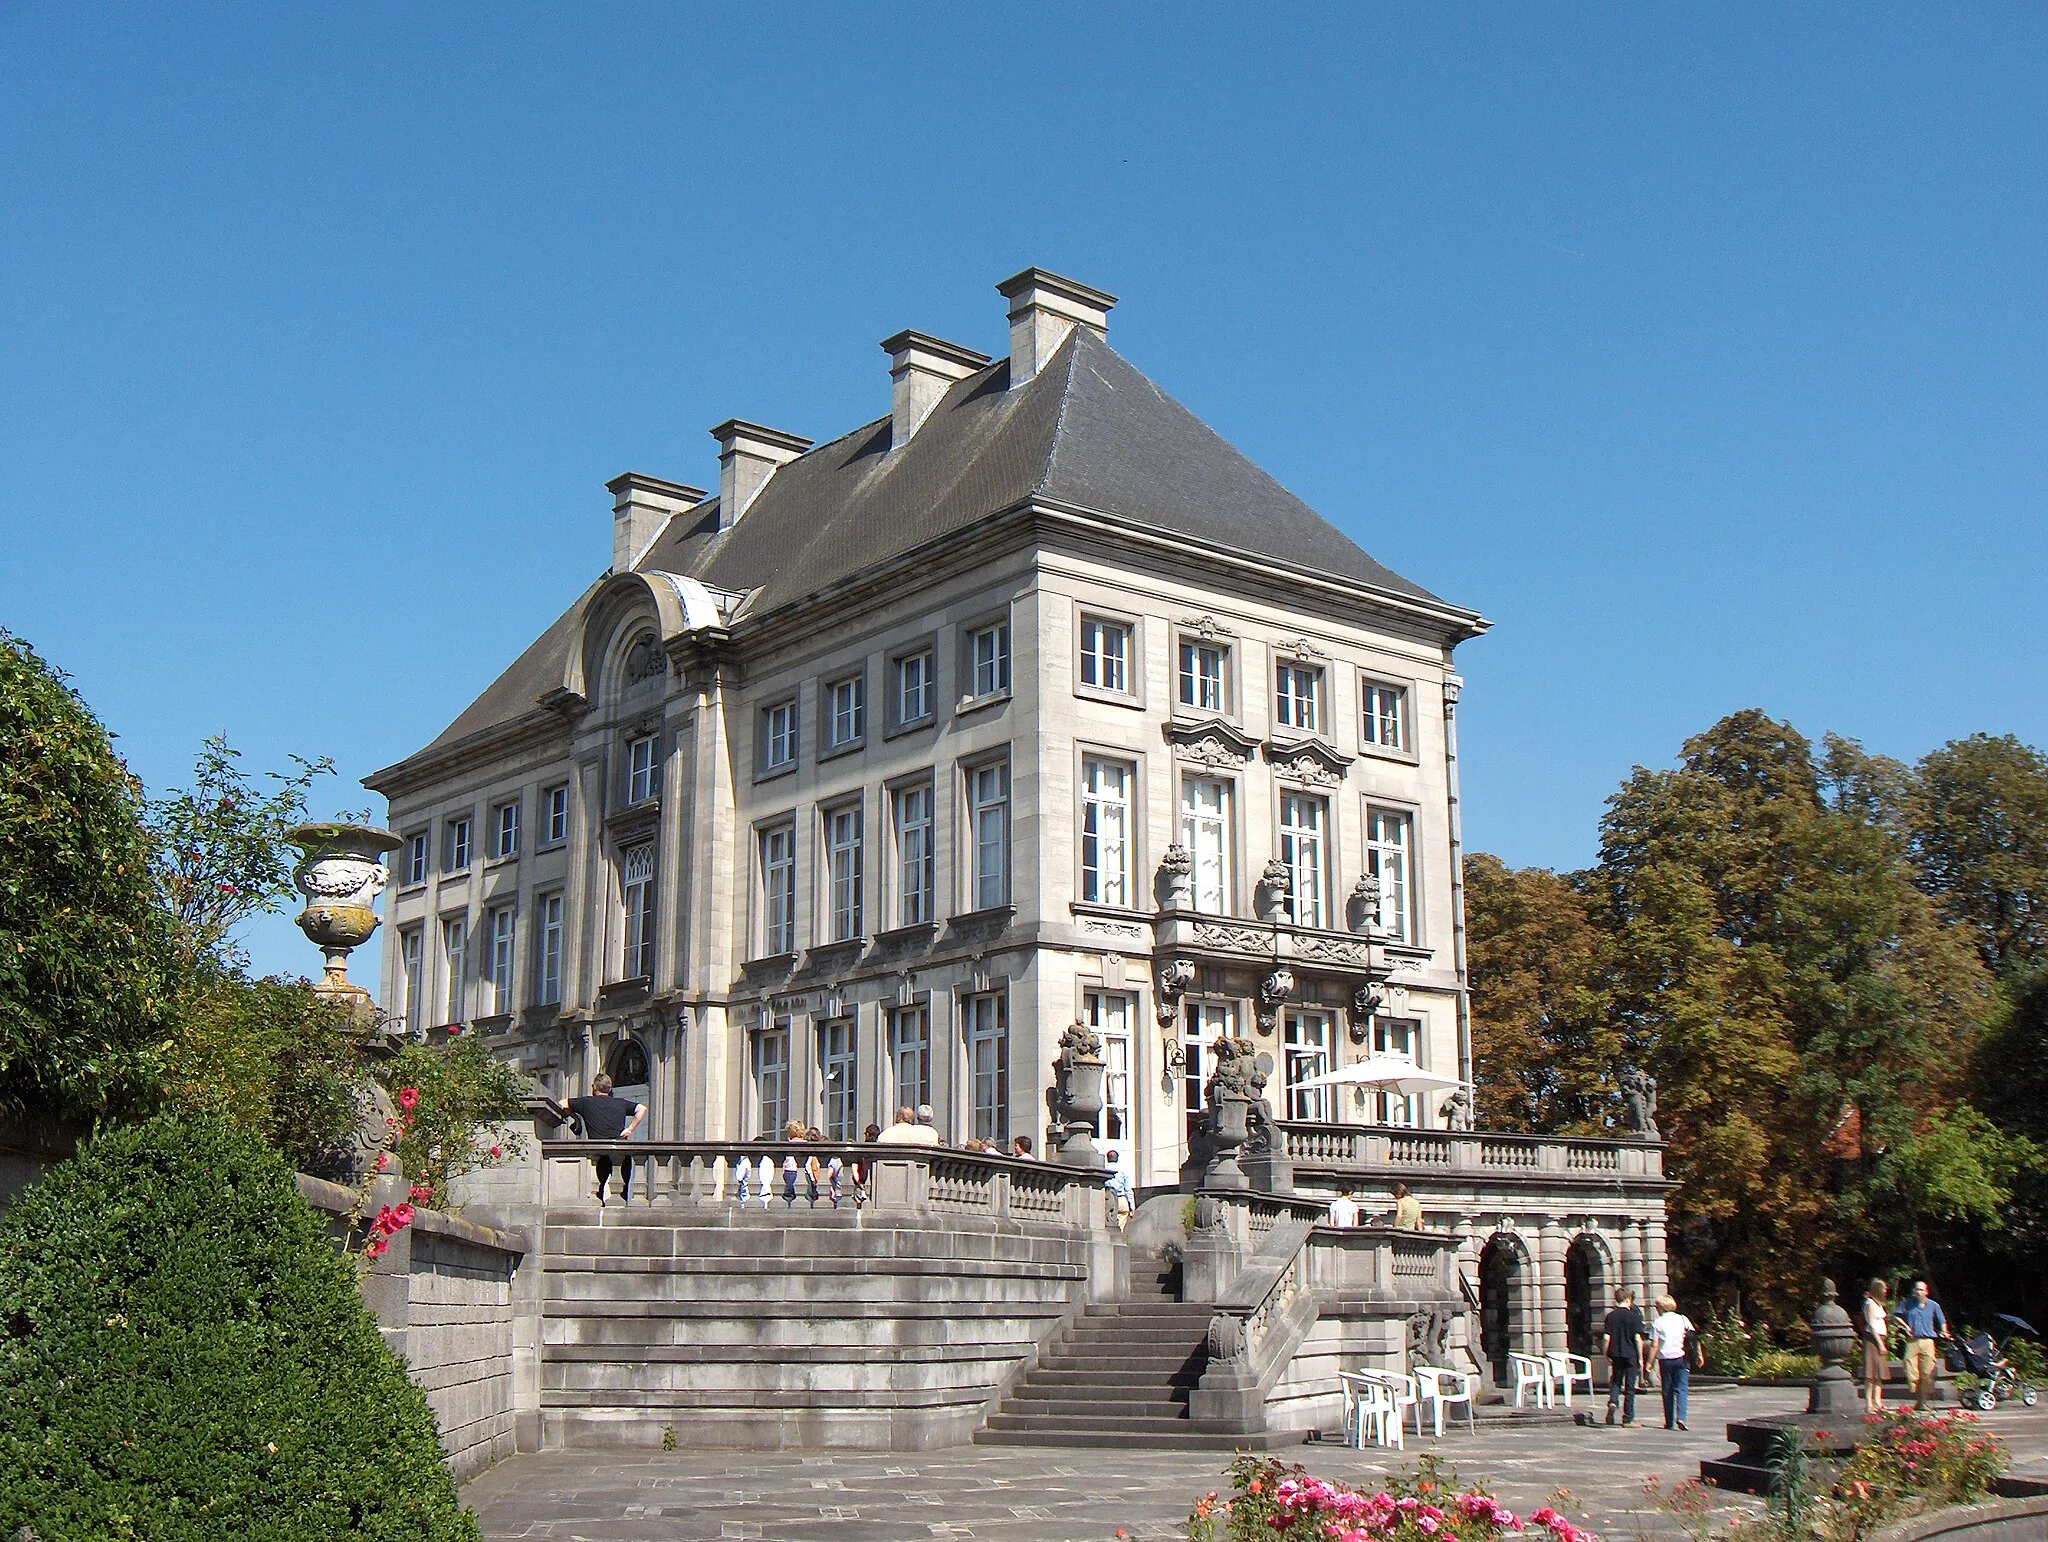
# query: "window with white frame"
{"type": "Point", "coordinates": [778, 889]}
{"type": "Point", "coordinates": [636, 894]}
{"type": "Point", "coordinates": [454, 968]}
{"type": "Point", "coordinates": [843, 861]}
{"type": "Point", "coordinates": [1389, 845]}
{"type": "Point", "coordinates": [845, 712]}
{"type": "Point", "coordinates": [1105, 655]}
{"type": "Point", "coordinates": [1106, 855]}
{"type": "Point", "coordinates": [505, 830]}
{"type": "Point", "coordinates": [838, 1065]}
{"type": "Point", "coordinates": [1201, 675]}
{"type": "Point", "coordinates": [412, 948]}
{"type": "Point", "coordinates": [910, 1056]}
{"type": "Point", "coordinates": [1386, 715]}
{"type": "Point", "coordinates": [771, 1078]}
{"type": "Point", "coordinates": [556, 823]}
{"type": "Point", "coordinates": [988, 658]}
{"type": "Point", "coordinates": [1297, 697]}
{"type": "Point", "coordinates": [1112, 1014]}
{"type": "Point", "coordinates": [1202, 1024]}
{"type": "Point", "coordinates": [986, 1019]}
{"type": "Point", "coordinates": [1306, 1043]}
{"type": "Point", "coordinates": [1205, 832]}
{"type": "Point", "coordinates": [455, 856]}
{"type": "Point", "coordinates": [416, 857]}
{"type": "Point", "coordinates": [1304, 822]}
{"type": "Point", "coordinates": [988, 827]}
{"type": "Point", "coordinates": [1400, 1038]}
{"type": "Point", "coordinates": [640, 769]}
{"type": "Point", "coordinates": [917, 686]}
{"type": "Point", "coordinates": [500, 934]}
{"type": "Point", "coordinates": [548, 949]}
{"type": "Point", "coordinates": [912, 813]}
{"type": "Point", "coordinates": [778, 736]}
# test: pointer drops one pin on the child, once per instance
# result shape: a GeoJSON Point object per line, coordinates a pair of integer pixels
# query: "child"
{"type": "Point", "coordinates": [1119, 1190]}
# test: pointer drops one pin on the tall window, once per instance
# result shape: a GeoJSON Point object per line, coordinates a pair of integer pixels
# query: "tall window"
{"type": "Point", "coordinates": [636, 890]}
{"type": "Point", "coordinates": [412, 948]}
{"type": "Point", "coordinates": [1388, 841]}
{"type": "Point", "coordinates": [1202, 1024]}
{"type": "Point", "coordinates": [1399, 1037]}
{"type": "Point", "coordinates": [1307, 1046]}
{"type": "Point", "coordinates": [548, 950]}
{"type": "Point", "coordinates": [640, 769]}
{"type": "Point", "coordinates": [455, 967]}
{"type": "Point", "coordinates": [1205, 831]}
{"type": "Point", "coordinates": [1105, 831]}
{"type": "Point", "coordinates": [988, 1065]}
{"type": "Point", "coordinates": [1111, 1014]}
{"type": "Point", "coordinates": [910, 1057]}
{"type": "Point", "coordinates": [505, 830]}
{"type": "Point", "coordinates": [1386, 716]}
{"type": "Point", "coordinates": [988, 823]}
{"type": "Point", "coordinates": [989, 658]}
{"type": "Point", "coordinates": [916, 686]}
{"type": "Point", "coordinates": [913, 814]}
{"type": "Point", "coordinates": [842, 850]}
{"type": "Point", "coordinates": [846, 704]}
{"type": "Point", "coordinates": [771, 1078]}
{"type": "Point", "coordinates": [557, 826]}
{"type": "Point", "coordinates": [1302, 823]}
{"type": "Point", "coordinates": [1201, 675]}
{"type": "Point", "coordinates": [1296, 698]}
{"type": "Point", "coordinates": [838, 1064]}
{"type": "Point", "coordinates": [778, 736]}
{"type": "Point", "coordinates": [416, 858]}
{"type": "Point", "coordinates": [456, 857]}
{"type": "Point", "coordinates": [1105, 655]}
{"type": "Point", "coordinates": [501, 959]}
{"type": "Point", "coordinates": [778, 889]}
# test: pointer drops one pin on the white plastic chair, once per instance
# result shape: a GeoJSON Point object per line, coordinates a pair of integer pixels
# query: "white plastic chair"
{"type": "Point", "coordinates": [1369, 1412]}
{"type": "Point", "coordinates": [1532, 1374]}
{"type": "Point", "coordinates": [1401, 1387]}
{"type": "Point", "coordinates": [1569, 1370]}
{"type": "Point", "coordinates": [1438, 1386]}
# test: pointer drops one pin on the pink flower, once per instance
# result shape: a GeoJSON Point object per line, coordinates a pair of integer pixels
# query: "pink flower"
{"type": "Point", "coordinates": [383, 1160]}
{"type": "Point", "coordinates": [375, 1248]}
{"type": "Point", "coordinates": [454, 1029]}
{"type": "Point", "coordinates": [401, 1217]}
{"type": "Point", "coordinates": [408, 1096]}
{"type": "Point", "coordinates": [496, 1152]}
{"type": "Point", "coordinates": [419, 1194]}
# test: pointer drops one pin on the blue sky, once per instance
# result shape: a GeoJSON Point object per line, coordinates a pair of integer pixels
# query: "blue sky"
{"type": "Point", "coordinates": [1702, 348]}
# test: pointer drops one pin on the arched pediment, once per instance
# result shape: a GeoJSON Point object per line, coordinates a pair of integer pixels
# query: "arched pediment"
{"type": "Point", "coordinates": [672, 606]}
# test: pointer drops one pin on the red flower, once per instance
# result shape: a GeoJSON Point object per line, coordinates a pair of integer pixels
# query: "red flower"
{"type": "Point", "coordinates": [383, 1158]}
{"type": "Point", "coordinates": [401, 1217]}
{"type": "Point", "coordinates": [496, 1152]}
{"type": "Point", "coordinates": [407, 1096]}
{"type": "Point", "coordinates": [375, 1248]}
{"type": "Point", "coordinates": [454, 1029]}
{"type": "Point", "coordinates": [420, 1194]}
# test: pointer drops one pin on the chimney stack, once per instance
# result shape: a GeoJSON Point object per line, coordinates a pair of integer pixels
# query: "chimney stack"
{"type": "Point", "coordinates": [641, 507]}
{"type": "Point", "coordinates": [922, 369]}
{"type": "Point", "coordinates": [1044, 308]}
{"type": "Point", "coordinates": [748, 455]}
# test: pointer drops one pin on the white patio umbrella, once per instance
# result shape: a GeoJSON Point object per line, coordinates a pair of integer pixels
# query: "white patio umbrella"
{"type": "Point", "coordinates": [1386, 1071]}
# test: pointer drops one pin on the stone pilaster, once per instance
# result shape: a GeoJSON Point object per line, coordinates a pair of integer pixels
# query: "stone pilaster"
{"type": "Point", "coordinates": [1550, 1249]}
{"type": "Point", "coordinates": [1632, 1261]}
{"type": "Point", "coordinates": [1655, 1265]}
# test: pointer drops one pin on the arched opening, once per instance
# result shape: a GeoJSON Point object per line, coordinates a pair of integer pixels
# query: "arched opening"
{"type": "Point", "coordinates": [1585, 1287]}
{"type": "Point", "coordinates": [1503, 1282]}
{"type": "Point", "coordinates": [631, 1078]}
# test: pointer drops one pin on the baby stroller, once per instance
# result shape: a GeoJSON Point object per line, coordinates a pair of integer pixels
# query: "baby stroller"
{"type": "Point", "coordinates": [1983, 1357]}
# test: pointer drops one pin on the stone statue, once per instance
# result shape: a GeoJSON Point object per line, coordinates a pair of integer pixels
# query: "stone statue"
{"type": "Point", "coordinates": [1639, 1088]}
{"type": "Point", "coordinates": [1457, 1111]}
{"type": "Point", "coordinates": [1429, 1337]}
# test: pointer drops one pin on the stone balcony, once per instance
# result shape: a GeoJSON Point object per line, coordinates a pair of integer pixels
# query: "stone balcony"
{"type": "Point", "coordinates": [1348, 1153]}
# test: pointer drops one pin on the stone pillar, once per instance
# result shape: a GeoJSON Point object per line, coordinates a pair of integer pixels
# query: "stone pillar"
{"type": "Point", "coordinates": [1464, 1265]}
{"type": "Point", "coordinates": [1655, 1267]}
{"type": "Point", "coordinates": [1550, 1277]}
{"type": "Point", "coordinates": [1632, 1260]}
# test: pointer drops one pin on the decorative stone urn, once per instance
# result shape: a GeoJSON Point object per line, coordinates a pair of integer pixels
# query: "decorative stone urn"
{"type": "Point", "coordinates": [1833, 1390]}
{"type": "Point", "coordinates": [1276, 882]}
{"type": "Point", "coordinates": [1363, 909]}
{"type": "Point", "coordinates": [1078, 1078]}
{"type": "Point", "coordinates": [341, 874]}
{"type": "Point", "coordinates": [1176, 878]}
{"type": "Point", "coordinates": [1229, 1122]}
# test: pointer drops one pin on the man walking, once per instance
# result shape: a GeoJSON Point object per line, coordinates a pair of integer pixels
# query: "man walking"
{"type": "Point", "coordinates": [604, 1117]}
{"type": "Point", "coordinates": [1925, 1324]}
{"type": "Point", "coordinates": [1624, 1330]}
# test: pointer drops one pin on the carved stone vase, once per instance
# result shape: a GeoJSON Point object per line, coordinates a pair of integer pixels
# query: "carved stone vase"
{"type": "Point", "coordinates": [1833, 1390]}
{"type": "Point", "coordinates": [341, 874]}
{"type": "Point", "coordinates": [1227, 1129]}
{"type": "Point", "coordinates": [1080, 1090]}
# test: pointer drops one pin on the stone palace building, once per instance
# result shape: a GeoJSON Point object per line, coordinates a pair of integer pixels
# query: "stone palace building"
{"type": "Point", "coordinates": [855, 780]}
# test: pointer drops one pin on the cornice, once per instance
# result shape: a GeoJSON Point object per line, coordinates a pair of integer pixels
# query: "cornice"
{"type": "Point", "coordinates": [429, 765]}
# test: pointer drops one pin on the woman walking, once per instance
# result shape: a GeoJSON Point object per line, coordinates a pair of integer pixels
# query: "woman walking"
{"type": "Point", "coordinates": [1674, 1365]}
{"type": "Point", "coordinates": [1877, 1357]}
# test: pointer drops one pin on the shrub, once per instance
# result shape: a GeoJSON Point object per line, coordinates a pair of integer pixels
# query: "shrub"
{"type": "Point", "coordinates": [1783, 1365]}
{"type": "Point", "coordinates": [461, 1092]}
{"type": "Point", "coordinates": [1728, 1345]}
{"type": "Point", "coordinates": [1910, 1461]}
{"type": "Point", "coordinates": [183, 1356]}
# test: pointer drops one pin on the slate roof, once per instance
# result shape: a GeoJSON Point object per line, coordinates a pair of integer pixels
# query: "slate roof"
{"type": "Point", "coordinates": [1087, 430]}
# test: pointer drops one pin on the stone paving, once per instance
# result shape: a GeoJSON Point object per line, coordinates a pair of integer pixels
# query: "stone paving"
{"type": "Point", "coordinates": [1024, 1494]}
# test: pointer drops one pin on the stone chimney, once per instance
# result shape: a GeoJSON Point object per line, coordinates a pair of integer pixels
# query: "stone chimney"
{"type": "Point", "coordinates": [921, 370]}
{"type": "Point", "coordinates": [748, 455]}
{"type": "Point", "coordinates": [1044, 308]}
{"type": "Point", "coordinates": [641, 507]}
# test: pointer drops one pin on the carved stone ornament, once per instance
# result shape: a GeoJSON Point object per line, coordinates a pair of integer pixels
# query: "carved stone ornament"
{"type": "Point", "coordinates": [1364, 906]}
{"type": "Point", "coordinates": [1276, 875]}
{"type": "Point", "coordinates": [1206, 627]}
{"type": "Point", "coordinates": [1170, 981]}
{"type": "Point", "coordinates": [1311, 763]}
{"type": "Point", "coordinates": [1210, 742]}
{"type": "Point", "coordinates": [1208, 1214]}
{"type": "Point", "coordinates": [1302, 648]}
{"type": "Point", "coordinates": [1080, 1042]}
{"type": "Point", "coordinates": [1639, 1089]}
{"type": "Point", "coordinates": [1332, 950]}
{"type": "Point", "coordinates": [1274, 992]}
{"type": "Point", "coordinates": [1240, 939]}
{"type": "Point", "coordinates": [1226, 1337]}
{"type": "Point", "coordinates": [1178, 862]}
{"type": "Point", "coordinates": [644, 659]}
{"type": "Point", "coordinates": [1102, 928]}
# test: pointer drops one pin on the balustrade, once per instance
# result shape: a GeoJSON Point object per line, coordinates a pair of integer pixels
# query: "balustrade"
{"type": "Point", "coordinates": [1391, 1150]}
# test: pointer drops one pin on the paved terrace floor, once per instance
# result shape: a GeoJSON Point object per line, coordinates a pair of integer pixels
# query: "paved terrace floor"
{"type": "Point", "coordinates": [1022, 1494]}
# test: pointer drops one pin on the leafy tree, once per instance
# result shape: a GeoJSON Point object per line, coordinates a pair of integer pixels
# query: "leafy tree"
{"type": "Point", "coordinates": [1979, 821]}
{"type": "Point", "coordinates": [84, 975]}
{"type": "Point", "coordinates": [1958, 1169]}
{"type": "Point", "coordinates": [1544, 1051]}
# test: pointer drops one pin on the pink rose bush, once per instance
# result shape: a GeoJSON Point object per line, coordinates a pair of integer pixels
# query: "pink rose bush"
{"type": "Point", "coordinates": [1272, 1501]}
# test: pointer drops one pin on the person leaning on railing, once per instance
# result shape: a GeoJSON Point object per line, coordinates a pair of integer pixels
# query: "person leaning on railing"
{"type": "Point", "coordinates": [601, 1116]}
{"type": "Point", "coordinates": [908, 1131]}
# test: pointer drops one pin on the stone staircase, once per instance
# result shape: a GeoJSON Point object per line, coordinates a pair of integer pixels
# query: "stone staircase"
{"type": "Point", "coordinates": [1122, 1370]}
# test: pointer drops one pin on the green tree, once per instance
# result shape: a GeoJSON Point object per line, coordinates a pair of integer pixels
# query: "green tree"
{"type": "Point", "coordinates": [1957, 1170]}
{"type": "Point", "coordinates": [1979, 821]}
{"type": "Point", "coordinates": [85, 979]}
{"type": "Point", "coordinates": [1545, 1054]}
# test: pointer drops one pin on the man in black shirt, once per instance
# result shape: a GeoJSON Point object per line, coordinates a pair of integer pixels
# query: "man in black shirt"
{"type": "Point", "coordinates": [1625, 1334]}
{"type": "Point", "coordinates": [604, 1117]}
